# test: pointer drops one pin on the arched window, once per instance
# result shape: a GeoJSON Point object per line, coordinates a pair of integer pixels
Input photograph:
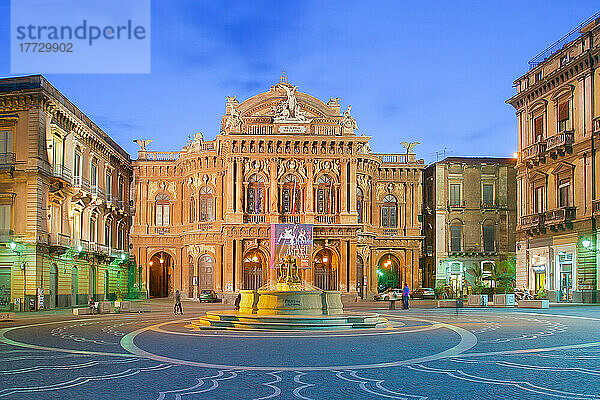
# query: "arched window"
{"type": "Point", "coordinates": [206, 204]}
{"type": "Point", "coordinates": [93, 227]}
{"type": "Point", "coordinates": [456, 236]}
{"type": "Point", "coordinates": [291, 202]}
{"type": "Point", "coordinates": [389, 212]}
{"type": "Point", "coordinates": [163, 209]}
{"type": "Point", "coordinates": [192, 208]}
{"type": "Point", "coordinates": [255, 195]}
{"type": "Point", "coordinates": [326, 199]}
{"type": "Point", "coordinates": [359, 204]}
{"type": "Point", "coordinates": [120, 236]}
{"type": "Point", "coordinates": [489, 236]}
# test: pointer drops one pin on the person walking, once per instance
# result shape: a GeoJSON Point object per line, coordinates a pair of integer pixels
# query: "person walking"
{"type": "Point", "coordinates": [177, 303]}
{"type": "Point", "coordinates": [405, 296]}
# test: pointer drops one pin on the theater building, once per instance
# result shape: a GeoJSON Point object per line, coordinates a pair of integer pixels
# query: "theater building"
{"type": "Point", "coordinates": [64, 202]}
{"type": "Point", "coordinates": [203, 215]}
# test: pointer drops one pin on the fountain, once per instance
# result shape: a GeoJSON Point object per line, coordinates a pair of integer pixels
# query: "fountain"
{"type": "Point", "coordinates": [288, 304]}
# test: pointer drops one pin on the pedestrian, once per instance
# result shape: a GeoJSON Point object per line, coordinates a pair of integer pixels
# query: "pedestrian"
{"type": "Point", "coordinates": [405, 296]}
{"type": "Point", "coordinates": [236, 303]}
{"type": "Point", "coordinates": [177, 303]}
{"type": "Point", "coordinates": [92, 305]}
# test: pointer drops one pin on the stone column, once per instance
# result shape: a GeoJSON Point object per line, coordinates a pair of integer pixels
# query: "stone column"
{"type": "Point", "coordinates": [353, 184]}
{"type": "Point", "coordinates": [239, 195]}
{"type": "Point", "coordinates": [310, 200]}
{"type": "Point", "coordinates": [218, 268]}
{"type": "Point", "coordinates": [228, 266]}
{"type": "Point", "coordinates": [353, 265]}
{"type": "Point", "coordinates": [239, 251]}
{"type": "Point", "coordinates": [343, 191]}
{"type": "Point", "coordinates": [343, 267]}
{"type": "Point", "coordinates": [273, 198]}
{"type": "Point", "coordinates": [219, 199]}
{"type": "Point", "coordinates": [229, 194]}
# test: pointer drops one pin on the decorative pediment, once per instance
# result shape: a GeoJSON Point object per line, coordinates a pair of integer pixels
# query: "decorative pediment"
{"type": "Point", "coordinates": [563, 168]}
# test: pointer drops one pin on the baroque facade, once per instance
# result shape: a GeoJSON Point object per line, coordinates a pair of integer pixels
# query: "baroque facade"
{"type": "Point", "coordinates": [203, 214]}
{"type": "Point", "coordinates": [557, 107]}
{"type": "Point", "coordinates": [469, 208]}
{"type": "Point", "coordinates": [64, 202]}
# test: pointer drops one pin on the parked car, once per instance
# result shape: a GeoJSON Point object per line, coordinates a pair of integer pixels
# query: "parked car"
{"type": "Point", "coordinates": [389, 294]}
{"type": "Point", "coordinates": [208, 296]}
{"type": "Point", "coordinates": [423, 293]}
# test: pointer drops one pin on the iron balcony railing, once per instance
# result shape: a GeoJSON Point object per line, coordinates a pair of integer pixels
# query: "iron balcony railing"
{"type": "Point", "coordinates": [559, 216]}
{"type": "Point", "coordinates": [290, 218]}
{"type": "Point", "coordinates": [532, 221]}
{"type": "Point", "coordinates": [61, 172]}
{"type": "Point", "coordinates": [560, 139]}
{"type": "Point", "coordinates": [327, 219]}
{"type": "Point", "coordinates": [254, 218]}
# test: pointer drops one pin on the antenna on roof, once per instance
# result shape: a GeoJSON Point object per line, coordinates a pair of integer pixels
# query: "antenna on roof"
{"type": "Point", "coordinates": [283, 78]}
{"type": "Point", "coordinates": [443, 153]}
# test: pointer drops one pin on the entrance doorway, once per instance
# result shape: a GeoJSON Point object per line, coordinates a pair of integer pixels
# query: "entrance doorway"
{"type": "Point", "coordinates": [53, 287]}
{"type": "Point", "coordinates": [565, 263]}
{"type": "Point", "coordinates": [205, 273]}
{"type": "Point", "coordinates": [92, 283]}
{"type": "Point", "coordinates": [253, 270]}
{"type": "Point", "coordinates": [161, 265]}
{"type": "Point", "coordinates": [74, 285]}
{"type": "Point", "coordinates": [360, 282]}
{"type": "Point", "coordinates": [388, 273]}
{"type": "Point", "coordinates": [106, 284]}
{"type": "Point", "coordinates": [325, 270]}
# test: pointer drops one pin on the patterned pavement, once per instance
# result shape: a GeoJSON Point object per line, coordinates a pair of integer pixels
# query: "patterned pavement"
{"type": "Point", "coordinates": [423, 354]}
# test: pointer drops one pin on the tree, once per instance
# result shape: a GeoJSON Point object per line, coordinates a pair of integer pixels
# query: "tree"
{"type": "Point", "coordinates": [477, 274]}
{"type": "Point", "coordinates": [504, 273]}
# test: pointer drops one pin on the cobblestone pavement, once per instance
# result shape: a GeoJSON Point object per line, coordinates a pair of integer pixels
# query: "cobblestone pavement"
{"type": "Point", "coordinates": [422, 354]}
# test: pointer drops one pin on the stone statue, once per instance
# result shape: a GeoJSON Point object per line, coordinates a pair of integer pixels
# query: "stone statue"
{"type": "Point", "coordinates": [143, 143]}
{"type": "Point", "coordinates": [234, 119]}
{"type": "Point", "coordinates": [292, 103]}
{"type": "Point", "coordinates": [347, 120]}
{"type": "Point", "coordinates": [409, 146]}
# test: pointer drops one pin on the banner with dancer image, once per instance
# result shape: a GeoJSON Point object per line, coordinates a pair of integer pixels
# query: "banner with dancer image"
{"type": "Point", "coordinates": [294, 240]}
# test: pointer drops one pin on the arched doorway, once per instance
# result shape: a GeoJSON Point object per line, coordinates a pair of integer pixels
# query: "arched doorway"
{"type": "Point", "coordinates": [92, 283]}
{"type": "Point", "coordinates": [388, 273]}
{"type": "Point", "coordinates": [360, 272]}
{"type": "Point", "coordinates": [190, 277]}
{"type": "Point", "coordinates": [106, 284]}
{"type": "Point", "coordinates": [253, 270]}
{"type": "Point", "coordinates": [53, 287]}
{"type": "Point", "coordinates": [205, 272]}
{"type": "Point", "coordinates": [74, 285]}
{"type": "Point", "coordinates": [325, 270]}
{"type": "Point", "coordinates": [160, 274]}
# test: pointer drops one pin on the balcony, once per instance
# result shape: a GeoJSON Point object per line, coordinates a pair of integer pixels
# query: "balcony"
{"type": "Point", "coordinates": [560, 144]}
{"type": "Point", "coordinates": [82, 183]}
{"type": "Point", "coordinates": [489, 206]}
{"type": "Point", "coordinates": [60, 240]}
{"type": "Point", "coordinates": [7, 161]}
{"type": "Point", "coordinates": [62, 173]}
{"type": "Point", "coordinates": [559, 218]}
{"type": "Point", "coordinates": [596, 125]}
{"type": "Point", "coordinates": [456, 205]}
{"type": "Point", "coordinates": [390, 231]}
{"type": "Point", "coordinates": [254, 218]}
{"type": "Point", "coordinates": [596, 208]}
{"type": "Point", "coordinates": [534, 154]}
{"type": "Point", "coordinates": [161, 230]}
{"type": "Point", "coordinates": [533, 223]}
{"type": "Point", "coordinates": [290, 218]}
{"type": "Point", "coordinates": [205, 226]}
{"type": "Point", "coordinates": [97, 193]}
{"type": "Point", "coordinates": [327, 219]}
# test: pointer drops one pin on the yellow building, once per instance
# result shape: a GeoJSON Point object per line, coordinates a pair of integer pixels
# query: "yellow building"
{"type": "Point", "coordinates": [64, 201]}
{"type": "Point", "coordinates": [203, 214]}
{"type": "Point", "coordinates": [557, 107]}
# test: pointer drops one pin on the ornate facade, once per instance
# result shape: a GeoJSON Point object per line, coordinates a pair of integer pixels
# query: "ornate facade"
{"type": "Point", "coordinates": [64, 202]}
{"type": "Point", "coordinates": [203, 214]}
{"type": "Point", "coordinates": [557, 108]}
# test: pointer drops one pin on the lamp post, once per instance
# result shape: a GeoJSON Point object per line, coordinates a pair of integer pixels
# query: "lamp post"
{"type": "Point", "coordinates": [14, 247]}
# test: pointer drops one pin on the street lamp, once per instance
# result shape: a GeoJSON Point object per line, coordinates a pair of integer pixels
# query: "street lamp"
{"type": "Point", "coordinates": [586, 243]}
{"type": "Point", "coordinates": [13, 246]}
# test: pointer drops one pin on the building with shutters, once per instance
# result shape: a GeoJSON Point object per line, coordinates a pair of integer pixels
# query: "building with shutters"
{"type": "Point", "coordinates": [64, 202]}
{"type": "Point", "coordinates": [203, 215]}
{"type": "Point", "coordinates": [469, 217]}
{"type": "Point", "coordinates": [557, 108]}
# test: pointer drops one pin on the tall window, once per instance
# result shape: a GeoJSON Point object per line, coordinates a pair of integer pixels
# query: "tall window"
{"type": "Point", "coordinates": [206, 204]}
{"type": "Point", "coordinates": [455, 237]}
{"type": "Point", "coordinates": [290, 195]}
{"type": "Point", "coordinates": [325, 195]}
{"type": "Point", "coordinates": [121, 188]}
{"type": "Point", "coordinates": [6, 147]}
{"type": "Point", "coordinates": [108, 183]}
{"type": "Point", "coordinates": [389, 212]}
{"type": "Point", "coordinates": [94, 173]}
{"type": "Point", "coordinates": [359, 204]}
{"type": "Point", "coordinates": [488, 238]}
{"type": "Point", "coordinates": [538, 128]}
{"type": "Point", "coordinates": [192, 208]}
{"type": "Point", "coordinates": [162, 209]}
{"type": "Point", "coordinates": [488, 194]}
{"type": "Point", "coordinates": [5, 217]}
{"type": "Point", "coordinates": [564, 189]}
{"type": "Point", "coordinates": [120, 243]}
{"type": "Point", "coordinates": [539, 199]}
{"type": "Point", "coordinates": [255, 195]}
{"type": "Point", "coordinates": [77, 168]}
{"type": "Point", "coordinates": [455, 194]}
{"type": "Point", "coordinates": [563, 115]}
{"type": "Point", "coordinates": [108, 233]}
{"type": "Point", "coordinates": [93, 231]}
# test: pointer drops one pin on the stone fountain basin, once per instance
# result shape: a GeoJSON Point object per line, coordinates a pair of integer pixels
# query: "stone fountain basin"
{"type": "Point", "coordinates": [290, 302]}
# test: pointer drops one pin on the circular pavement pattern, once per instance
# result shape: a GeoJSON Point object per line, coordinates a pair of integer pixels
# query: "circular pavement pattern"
{"type": "Point", "coordinates": [423, 354]}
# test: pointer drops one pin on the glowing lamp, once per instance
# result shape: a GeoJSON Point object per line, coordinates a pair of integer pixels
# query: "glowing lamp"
{"type": "Point", "coordinates": [586, 243]}
{"type": "Point", "coordinates": [161, 260]}
{"type": "Point", "coordinates": [515, 155]}
{"type": "Point", "coordinates": [255, 259]}
{"type": "Point", "coordinates": [12, 245]}
{"type": "Point", "coordinates": [79, 248]}
{"type": "Point", "coordinates": [325, 259]}
{"type": "Point", "coordinates": [151, 262]}
{"type": "Point", "coordinates": [123, 256]}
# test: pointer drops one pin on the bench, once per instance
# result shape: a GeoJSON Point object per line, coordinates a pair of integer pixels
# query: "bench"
{"type": "Point", "coordinates": [7, 316]}
{"type": "Point", "coordinates": [82, 311]}
{"type": "Point", "coordinates": [139, 307]}
{"type": "Point", "coordinates": [451, 303]}
{"type": "Point", "coordinates": [534, 303]}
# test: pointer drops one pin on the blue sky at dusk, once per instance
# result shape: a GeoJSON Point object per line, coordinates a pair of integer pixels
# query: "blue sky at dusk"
{"type": "Point", "coordinates": [434, 72]}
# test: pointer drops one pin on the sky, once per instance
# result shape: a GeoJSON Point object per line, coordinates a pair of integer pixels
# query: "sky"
{"type": "Point", "coordinates": [436, 72]}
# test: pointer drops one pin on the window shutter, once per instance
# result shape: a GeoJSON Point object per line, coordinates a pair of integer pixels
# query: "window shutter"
{"type": "Point", "coordinates": [563, 111]}
{"type": "Point", "coordinates": [538, 126]}
{"type": "Point", "coordinates": [159, 209]}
